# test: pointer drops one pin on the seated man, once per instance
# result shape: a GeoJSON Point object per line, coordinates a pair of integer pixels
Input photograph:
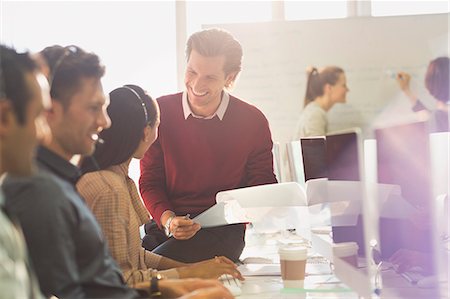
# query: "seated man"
{"type": "Point", "coordinates": [209, 141]}
{"type": "Point", "coordinates": [65, 241]}
{"type": "Point", "coordinates": [23, 95]}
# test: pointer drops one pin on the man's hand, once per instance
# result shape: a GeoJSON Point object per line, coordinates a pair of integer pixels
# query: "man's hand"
{"type": "Point", "coordinates": [183, 228]}
{"type": "Point", "coordinates": [213, 268]}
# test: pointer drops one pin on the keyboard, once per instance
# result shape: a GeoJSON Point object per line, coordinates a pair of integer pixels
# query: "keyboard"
{"type": "Point", "coordinates": [232, 284]}
{"type": "Point", "coordinates": [412, 276]}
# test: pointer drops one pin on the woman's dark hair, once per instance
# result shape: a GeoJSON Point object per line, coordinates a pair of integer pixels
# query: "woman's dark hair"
{"type": "Point", "coordinates": [317, 80]}
{"type": "Point", "coordinates": [131, 109]}
{"type": "Point", "coordinates": [437, 79]}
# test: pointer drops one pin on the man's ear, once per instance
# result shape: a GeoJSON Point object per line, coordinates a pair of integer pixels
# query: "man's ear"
{"type": "Point", "coordinates": [230, 78]}
{"type": "Point", "coordinates": [8, 117]}
{"type": "Point", "coordinates": [55, 112]}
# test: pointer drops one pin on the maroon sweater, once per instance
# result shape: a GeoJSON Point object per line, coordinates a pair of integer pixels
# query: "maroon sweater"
{"type": "Point", "coordinates": [193, 159]}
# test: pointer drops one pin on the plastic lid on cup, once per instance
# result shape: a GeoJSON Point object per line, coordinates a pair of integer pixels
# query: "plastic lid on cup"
{"type": "Point", "coordinates": [345, 249]}
{"type": "Point", "coordinates": [293, 253]}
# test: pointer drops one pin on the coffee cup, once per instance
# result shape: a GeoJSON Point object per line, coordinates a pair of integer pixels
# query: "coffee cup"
{"type": "Point", "coordinates": [293, 264]}
{"type": "Point", "coordinates": [347, 251]}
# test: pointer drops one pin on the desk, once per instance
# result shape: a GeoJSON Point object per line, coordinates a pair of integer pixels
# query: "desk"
{"type": "Point", "coordinates": [266, 287]}
{"type": "Point", "coordinates": [317, 286]}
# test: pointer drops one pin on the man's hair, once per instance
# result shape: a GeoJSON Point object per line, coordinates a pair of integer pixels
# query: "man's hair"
{"type": "Point", "coordinates": [128, 121]}
{"type": "Point", "coordinates": [68, 66]}
{"type": "Point", "coordinates": [216, 42]}
{"type": "Point", "coordinates": [437, 79]}
{"type": "Point", "coordinates": [13, 84]}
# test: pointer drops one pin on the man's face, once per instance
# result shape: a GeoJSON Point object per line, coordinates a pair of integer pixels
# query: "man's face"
{"type": "Point", "coordinates": [204, 80]}
{"type": "Point", "coordinates": [19, 148]}
{"type": "Point", "coordinates": [75, 128]}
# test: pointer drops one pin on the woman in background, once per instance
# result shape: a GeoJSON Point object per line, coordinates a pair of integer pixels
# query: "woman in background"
{"type": "Point", "coordinates": [324, 88]}
{"type": "Point", "coordinates": [113, 198]}
{"type": "Point", "coordinates": [437, 84]}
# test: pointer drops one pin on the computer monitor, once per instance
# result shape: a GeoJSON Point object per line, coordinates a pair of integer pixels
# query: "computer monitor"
{"type": "Point", "coordinates": [403, 158]}
{"type": "Point", "coordinates": [314, 157]}
{"type": "Point", "coordinates": [343, 164]}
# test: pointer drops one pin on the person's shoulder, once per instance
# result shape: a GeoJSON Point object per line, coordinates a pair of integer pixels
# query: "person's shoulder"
{"type": "Point", "coordinates": [169, 99]}
{"type": "Point", "coordinates": [245, 109]}
{"type": "Point", "coordinates": [100, 182]}
{"type": "Point", "coordinates": [40, 190]}
{"type": "Point", "coordinates": [313, 109]}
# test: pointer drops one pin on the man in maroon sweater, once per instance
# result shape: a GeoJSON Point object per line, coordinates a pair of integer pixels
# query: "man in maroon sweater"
{"type": "Point", "coordinates": [209, 141]}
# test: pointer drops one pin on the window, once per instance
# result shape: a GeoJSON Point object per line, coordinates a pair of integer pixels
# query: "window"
{"type": "Point", "coordinates": [395, 8]}
{"type": "Point", "coordinates": [219, 12]}
{"type": "Point", "coordinates": [307, 10]}
{"type": "Point", "coordinates": [135, 40]}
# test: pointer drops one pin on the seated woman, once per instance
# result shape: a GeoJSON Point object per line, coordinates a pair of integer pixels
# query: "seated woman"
{"type": "Point", "coordinates": [324, 88]}
{"type": "Point", "coordinates": [113, 196]}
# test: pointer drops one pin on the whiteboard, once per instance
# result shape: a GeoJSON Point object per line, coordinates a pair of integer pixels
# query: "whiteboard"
{"type": "Point", "coordinates": [369, 49]}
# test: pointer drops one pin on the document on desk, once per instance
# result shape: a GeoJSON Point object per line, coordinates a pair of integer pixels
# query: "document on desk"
{"type": "Point", "coordinates": [260, 269]}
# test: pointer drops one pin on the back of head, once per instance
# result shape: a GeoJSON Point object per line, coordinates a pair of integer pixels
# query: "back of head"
{"type": "Point", "coordinates": [131, 109]}
{"type": "Point", "coordinates": [437, 79]}
{"type": "Point", "coordinates": [13, 83]}
{"type": "Point", "coordinates": [217, 42]}
{"type": "Point", "coordinates": [68, 66]}
{"type": "Point", "coordinates": [316, 81]}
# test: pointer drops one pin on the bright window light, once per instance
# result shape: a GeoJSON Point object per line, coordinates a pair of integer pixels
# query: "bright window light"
{"type": "Point", "coordinates": [395, 8]}
{"type": "Point", "coordinates": [135, 40]}
{"type": "Point", "coordinates": [221, 12]}
{"type": "Point", "coordinates": [308, 10]}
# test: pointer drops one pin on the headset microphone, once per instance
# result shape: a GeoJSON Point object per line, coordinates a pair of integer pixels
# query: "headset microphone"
{"type": "Point", "coordinates": [97, 139]}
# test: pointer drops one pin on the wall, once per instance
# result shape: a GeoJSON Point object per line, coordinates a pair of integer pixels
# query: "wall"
{"type": "Point", "coordinates": [370, 49]}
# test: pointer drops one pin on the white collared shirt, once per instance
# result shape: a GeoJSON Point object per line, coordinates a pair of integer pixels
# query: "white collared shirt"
{"type": "Point", "coordinates": [220, 112]}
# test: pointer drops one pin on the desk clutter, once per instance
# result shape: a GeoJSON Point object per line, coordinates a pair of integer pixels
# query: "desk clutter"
{"type": "Point", "coordinates": [260, 265]}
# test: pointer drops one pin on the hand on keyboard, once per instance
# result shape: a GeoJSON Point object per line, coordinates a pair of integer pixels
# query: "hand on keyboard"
{"type": "Point", "coordinates": [232, 284]}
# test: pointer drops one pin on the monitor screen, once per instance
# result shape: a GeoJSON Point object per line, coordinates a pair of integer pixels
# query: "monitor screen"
{"type": "Point", "coordinates": [314, 157]}
{"type": "Point", "coordinates": [403, 158]}
{"type": "Point", "coordinates": [343, 165]}
{"type": "Point", "coordinates": [342, 157]}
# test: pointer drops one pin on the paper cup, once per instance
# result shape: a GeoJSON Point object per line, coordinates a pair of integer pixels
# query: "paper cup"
{"type": "Point", "coordinates": [293, 264]}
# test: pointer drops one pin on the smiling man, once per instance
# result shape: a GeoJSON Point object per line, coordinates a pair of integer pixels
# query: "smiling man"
{"type": "Point", "coordinates": [23, 100]}
{"type": "Point", "coordinates": [209, 141]}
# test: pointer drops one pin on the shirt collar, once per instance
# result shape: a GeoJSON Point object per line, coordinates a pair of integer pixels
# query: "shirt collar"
{"type": "Point", "coordinates": [220, 112]}
{"type": "Point", "coordinates": [58, 165]}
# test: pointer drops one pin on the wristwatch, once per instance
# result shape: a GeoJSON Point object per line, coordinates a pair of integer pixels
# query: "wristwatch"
{"type": "Point", "coordinates": [154, 284]}
{"type": "Point", "coordinates": [167, 226]}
